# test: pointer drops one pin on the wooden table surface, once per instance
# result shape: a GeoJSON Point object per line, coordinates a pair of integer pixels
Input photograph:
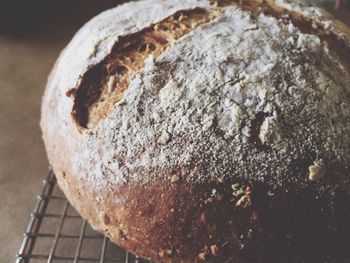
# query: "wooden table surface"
{"type": "Point", "coordinates": [25, 62]}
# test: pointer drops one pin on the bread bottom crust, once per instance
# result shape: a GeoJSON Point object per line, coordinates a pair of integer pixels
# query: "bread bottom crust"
{"type": "Point", "coordinates": [220, 221]}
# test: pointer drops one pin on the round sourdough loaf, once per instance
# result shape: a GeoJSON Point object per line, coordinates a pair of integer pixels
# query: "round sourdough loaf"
{"type": "Point", "coordinates": [213, 131]}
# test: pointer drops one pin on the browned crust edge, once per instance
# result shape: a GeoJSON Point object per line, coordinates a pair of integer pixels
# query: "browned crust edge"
{"type": "Point", "coordinates": [217, 222]}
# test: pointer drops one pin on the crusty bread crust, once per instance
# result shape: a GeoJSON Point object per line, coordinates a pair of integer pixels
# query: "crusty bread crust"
{"type": "Point", "coordinates": [207, 131]}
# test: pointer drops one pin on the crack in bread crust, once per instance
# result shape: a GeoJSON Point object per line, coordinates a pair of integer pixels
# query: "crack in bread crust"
{"type": "Point", "coordinates": [104, 84]}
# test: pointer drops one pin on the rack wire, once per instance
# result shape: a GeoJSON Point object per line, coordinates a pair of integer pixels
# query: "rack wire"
{"type": "Point", "coordinates": [56, 233]}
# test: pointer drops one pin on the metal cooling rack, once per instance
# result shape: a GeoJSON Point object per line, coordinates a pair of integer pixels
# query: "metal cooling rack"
{"type": "Point", "coordinates": [56, 233]}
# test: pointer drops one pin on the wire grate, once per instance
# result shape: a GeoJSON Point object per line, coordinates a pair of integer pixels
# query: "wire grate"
{"type": "Point", "coordinates": [56, 233]}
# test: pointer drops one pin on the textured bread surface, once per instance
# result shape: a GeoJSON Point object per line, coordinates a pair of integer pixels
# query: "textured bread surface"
{"type": "Point", "coordinates": [215, 131]}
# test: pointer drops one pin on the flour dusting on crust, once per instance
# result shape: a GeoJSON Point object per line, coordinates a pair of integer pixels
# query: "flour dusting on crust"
{"type": "Point", "coordinates": [241, 97]}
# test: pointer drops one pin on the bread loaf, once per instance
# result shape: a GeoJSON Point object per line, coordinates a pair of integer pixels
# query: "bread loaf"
{"type": "Point", "coordinates": [200, 130]}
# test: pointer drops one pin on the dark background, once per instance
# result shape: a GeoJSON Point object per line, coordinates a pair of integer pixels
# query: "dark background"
{"type": "Point", "coordinates": [25, 16]}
